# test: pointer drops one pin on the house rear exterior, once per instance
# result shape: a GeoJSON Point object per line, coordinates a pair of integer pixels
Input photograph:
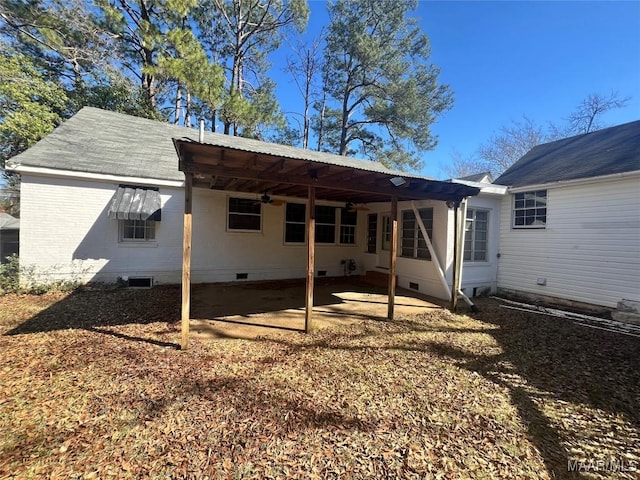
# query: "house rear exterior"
{"type": "Point", "coordinates": [86, 190]}
{"type": "Point", "coordinates": [570, 226]}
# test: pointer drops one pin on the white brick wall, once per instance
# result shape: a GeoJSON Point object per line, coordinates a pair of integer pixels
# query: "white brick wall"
{"type": "Point", "coordinates": [66, 233]}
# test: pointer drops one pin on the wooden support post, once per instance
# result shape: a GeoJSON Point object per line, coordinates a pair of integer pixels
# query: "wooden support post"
{"type": "Point", "coordinates": [393, 253]}
{"type": "Point", "coordinates": [186, 260]}
{"type": "Point", "coordinates": [311, 252]}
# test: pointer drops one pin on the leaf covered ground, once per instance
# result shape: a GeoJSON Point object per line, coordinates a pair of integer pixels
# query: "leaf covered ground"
{"type": "Point", "coordinates": [93, 386]}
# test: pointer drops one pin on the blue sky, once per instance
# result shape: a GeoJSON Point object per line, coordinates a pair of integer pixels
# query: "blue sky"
{"type": "Point", "coordinates": [508, 59]}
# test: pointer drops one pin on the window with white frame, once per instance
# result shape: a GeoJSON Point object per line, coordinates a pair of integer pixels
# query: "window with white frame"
{"type": "Point", "coordinates": [137, 230]}
{"type": "Point", "coordinates": [328, 223]}
{"type": "Point", "coordinates": [348, 222]}
{"type": "Point", "coordinates": [295, 223]}
{"type": "Point", "coordinates": [476, 235]}
{"type": "Point", "coordinates": [325, 224]}
{"type": "Point", "coordinates": [413, 244]}
{"type": "Point", "coordinates": [244, 214]}
{"type": "Point", "coordinates": [530, 209]}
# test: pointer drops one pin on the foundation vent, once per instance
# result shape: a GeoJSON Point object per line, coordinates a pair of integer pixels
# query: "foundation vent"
{"type": "Point", "coordinates": [322, 273]}
{"type": "Point", "coordinates": [414, 286]}
{"type": "Point", "coordinates": [140, 282]}
{"type": "Point", "coordinates": [242, 276]}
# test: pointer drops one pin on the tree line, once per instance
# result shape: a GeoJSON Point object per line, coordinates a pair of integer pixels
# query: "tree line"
{"type": "Point", "coordinates": [512, 141]}
{"type": "Point", "coordinates": [366, 85]}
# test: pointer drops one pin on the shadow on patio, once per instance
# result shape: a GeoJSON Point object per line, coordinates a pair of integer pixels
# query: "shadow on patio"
{"type": "Point", "coordinates": [220, 310]}
{"type": "Point", "coordinates": [252, 310]}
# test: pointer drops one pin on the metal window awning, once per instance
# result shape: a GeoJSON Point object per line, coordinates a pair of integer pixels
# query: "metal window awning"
{"type": "Point", "coordinates": [135, 203]}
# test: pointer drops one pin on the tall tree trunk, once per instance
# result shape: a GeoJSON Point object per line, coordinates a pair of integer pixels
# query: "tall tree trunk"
{"type": "Point", "coordinates": [306, 125]}
{"type": "Point", "coordinates": [344, 124]}
{"type": "Point", "coordinates": [321, 122]}
{"type": "Point", "coordinates": [187, 113]}
{"type": "Point", "coordinates": [148, 80]}
{"type": "Point", "coordinates": [176, 118]}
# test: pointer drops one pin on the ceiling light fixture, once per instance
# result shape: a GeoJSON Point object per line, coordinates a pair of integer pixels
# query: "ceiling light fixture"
{"type": "Point", "coordinates": [397, 181]}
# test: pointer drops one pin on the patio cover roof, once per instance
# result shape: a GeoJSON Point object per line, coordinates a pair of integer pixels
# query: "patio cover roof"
{"type": "Point", "coordinates": [245, 165]}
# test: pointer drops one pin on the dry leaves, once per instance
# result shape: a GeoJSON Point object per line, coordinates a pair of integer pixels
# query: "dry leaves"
{"type": "Point", "coordinates": [91, 386]}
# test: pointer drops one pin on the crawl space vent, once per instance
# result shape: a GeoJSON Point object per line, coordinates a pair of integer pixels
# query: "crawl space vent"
{"type": "Point", "coordinates": [140, 282]}
{"type": "Point", "coordinates": [414, 286]}
{"type": "Point", "coordinates": [242, 276]}
{"type": "Point", "coordinates": [322, 273]}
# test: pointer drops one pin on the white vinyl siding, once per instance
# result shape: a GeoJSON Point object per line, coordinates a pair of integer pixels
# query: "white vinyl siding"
{"type": "Point", "coordinates": [589, 251]}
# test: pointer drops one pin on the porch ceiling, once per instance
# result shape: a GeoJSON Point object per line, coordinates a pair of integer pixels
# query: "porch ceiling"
{"type": "Point", "coordinates": [257, 167]}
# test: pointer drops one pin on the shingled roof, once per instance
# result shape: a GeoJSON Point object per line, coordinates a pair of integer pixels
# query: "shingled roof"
{"type": "Point", "coordinates": [103, 142]}
{"type": "Point", "coordinates": [603, 152]}
{"type": "Point", "coordinates": [106, 142]}
{"type": "Point", "coordinates": [7, 222]}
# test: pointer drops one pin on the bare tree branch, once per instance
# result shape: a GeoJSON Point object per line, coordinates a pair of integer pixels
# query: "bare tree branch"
{"type": "Point", "coordinates": [586, 116]}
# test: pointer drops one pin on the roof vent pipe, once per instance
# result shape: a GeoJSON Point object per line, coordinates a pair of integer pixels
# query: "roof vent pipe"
{"type": "Point", "coordinates": [201, 136]}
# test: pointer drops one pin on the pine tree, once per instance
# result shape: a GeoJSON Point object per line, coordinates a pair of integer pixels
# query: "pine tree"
{"type": "Point", "coordinates": [31, 107]}
{"type": "Point", "coordinates": [240, 34]}
{"type": "Point", "coordinates": [383, 94]}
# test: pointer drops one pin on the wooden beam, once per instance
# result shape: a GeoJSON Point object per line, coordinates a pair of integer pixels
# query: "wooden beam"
{"type": "Point", "coordinates": [318, 171]}
{"type": "Point", "coordinates": [275, 166]}
{"type": "Point", "coordinates": [186, 260]}
{"type": "Point", "coordinates": [320, 182]}
{"type": "Point", "coordinates": [243, 186]}
{"type": "Point", "coordinates": [303, 168]}
{"type": "Point", "coordinates": [393, 253]}
{"type": "Point", "coordinates": [229, 185]}
{"type": "Point", "coordinates": [252, 162]}
{"type": "Point", "coordinates": [285, 189]}
{"type": "Point", "coordinates": [432, 251]}
{"type": "Point", "coordinates": [372, 178]}
{"type": "Point", "coordinates": [311, 252]}
{"type": "Point", "coordinates": [341, 176]}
